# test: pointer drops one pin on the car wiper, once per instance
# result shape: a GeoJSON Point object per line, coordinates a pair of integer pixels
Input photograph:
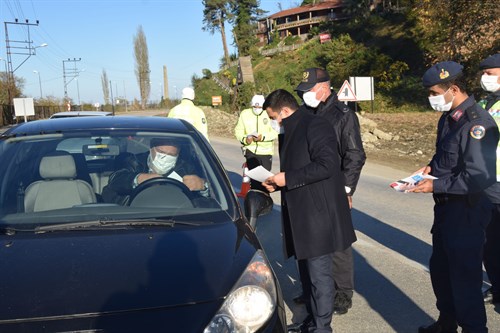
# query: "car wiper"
{"type": "Point", "coordinates": [9, 231]}
{"type": "Point", "coordinates": [114, 223]}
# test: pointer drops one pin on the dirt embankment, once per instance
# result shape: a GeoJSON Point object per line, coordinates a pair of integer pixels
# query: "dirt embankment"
{"type": "Point", "coordinates": [402, 140]}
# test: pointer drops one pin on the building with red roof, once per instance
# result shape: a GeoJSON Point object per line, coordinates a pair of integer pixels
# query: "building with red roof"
{"type": "Point", "coordinates": [298, 21]}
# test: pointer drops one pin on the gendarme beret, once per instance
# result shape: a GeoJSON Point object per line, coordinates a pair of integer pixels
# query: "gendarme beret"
{"type": "Point", "coordinates": [441, 72]}
{"type": "Point", "coordinates": [493, 61]}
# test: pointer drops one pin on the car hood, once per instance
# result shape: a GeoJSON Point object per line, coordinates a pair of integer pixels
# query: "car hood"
{"type": "Point", "coordinates": [62, 273]}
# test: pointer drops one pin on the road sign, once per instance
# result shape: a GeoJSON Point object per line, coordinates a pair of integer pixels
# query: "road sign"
{"type": "Point", "coordinates": [363, 87]}
{"type": "Point", "coordinates": [346, 94]}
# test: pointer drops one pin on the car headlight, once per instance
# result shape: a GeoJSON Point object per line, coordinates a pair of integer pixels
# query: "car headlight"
{"type": "Point", "coordinates": [250, 303]}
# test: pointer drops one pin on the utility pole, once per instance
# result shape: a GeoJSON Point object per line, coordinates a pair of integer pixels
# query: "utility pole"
{"type": "Point", "coordinates": [112, 99]}
{"type": "Point", "coordinates": [17, 47]}
{"type": "Point", "coordinates": [69, 72]}
{"type": "Point", "coordinates": [165, 82]}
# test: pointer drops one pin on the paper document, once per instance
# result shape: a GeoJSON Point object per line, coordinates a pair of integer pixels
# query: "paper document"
{"type": "Point", "coordinates": [259, 173]}
{"type": "Point", "coordinates": [254, 134]}
{"type": "Point", "coordinates": [410, 182]}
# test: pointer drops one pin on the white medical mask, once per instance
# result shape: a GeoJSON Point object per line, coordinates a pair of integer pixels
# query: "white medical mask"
{"type": "Point", "coordinates": [490, 83]}
{"type": "Point", "coordinates": [275, 125]}
{"type": "Point", "coordinates": [438, 103]}
{"type": "Point", "coordinates": [162, 163]}
{"type": "Point", "coordinates": [310, 99]}
{"type": "Point", "coordinates": [257, 111]}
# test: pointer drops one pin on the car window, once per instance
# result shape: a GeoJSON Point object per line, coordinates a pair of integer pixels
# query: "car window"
{"type": "Point", "coordinates": [81, 176]}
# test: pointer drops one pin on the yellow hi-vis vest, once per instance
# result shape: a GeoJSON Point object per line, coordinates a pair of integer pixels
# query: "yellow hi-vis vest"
{"type": "Point", "coordinates": [495, 113]}
{"type": "Point", "coordinates": [194, 115]}
{"type": "Point", "coordinates": [249, 123]}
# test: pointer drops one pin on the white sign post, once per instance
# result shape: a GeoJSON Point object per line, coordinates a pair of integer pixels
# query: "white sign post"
{"type": "Point", "coordinates": [363, 88]}
{"type": "Point", "coordinates": [24, 107]}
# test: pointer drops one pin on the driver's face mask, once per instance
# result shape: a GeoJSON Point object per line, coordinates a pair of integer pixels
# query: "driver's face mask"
{"type": "Point", "coordinates": [162, 163]}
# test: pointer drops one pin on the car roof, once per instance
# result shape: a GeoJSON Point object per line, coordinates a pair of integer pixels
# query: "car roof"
{"type": "Point", "coordinates": [61, 125]}
{"type": "Point", "coordinates": [81, 114]}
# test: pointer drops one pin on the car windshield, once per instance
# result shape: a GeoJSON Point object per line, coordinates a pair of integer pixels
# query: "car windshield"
{"type": "Point", "coordinates": [110, 176]}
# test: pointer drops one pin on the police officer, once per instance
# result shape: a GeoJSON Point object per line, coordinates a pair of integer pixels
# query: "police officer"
{"type": "Point", "coordinates": [464, 164]}
{"type": "Point", "coordinates": [318, 98]}
{"type": "Point", "coordinates": [256, 134]}
{"type": "Point", "coordinates": [490, 81]}
{"type": "Point", "coordinates": [188, 111]}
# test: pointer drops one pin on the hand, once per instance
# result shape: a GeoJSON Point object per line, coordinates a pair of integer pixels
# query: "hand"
{"type": "Point", "coordinates": [273, 182]}
{"type": "Point", "coordinates": [259, 138]}
{"type": "Point", "coordinates": [423, 186]}
{"type": "Point", "coordinates": [349, 199]}
{"type": "Point", "coordinates": [424, 170]}
{"type": "Point", "coordinates": [193, 182]}
{"type": "Point", "coordinates": [269, 185]}
{"type": "Point", "coordinates": [249, 139]}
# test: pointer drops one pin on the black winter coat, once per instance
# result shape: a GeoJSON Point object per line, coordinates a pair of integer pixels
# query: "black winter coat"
{"type": "Point", "coordinates": [350, 146]}
{"type": "Point", "coordinates": [315, 210]}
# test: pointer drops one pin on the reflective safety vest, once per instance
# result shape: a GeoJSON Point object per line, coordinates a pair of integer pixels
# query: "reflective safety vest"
{"type": "Point", "coordinates": [194, 115]}
{"type": "Point", "coordinates": [249, 123]}
{"type": "Point", "coordinates": [494, 111]}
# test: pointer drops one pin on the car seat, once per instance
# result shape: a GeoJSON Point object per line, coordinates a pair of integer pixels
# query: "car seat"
{"type": "Point", "coordinates": [59, 187]}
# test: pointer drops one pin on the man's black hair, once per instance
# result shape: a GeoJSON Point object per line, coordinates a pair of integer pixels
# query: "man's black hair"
{"type": "Point", "coordinates": [459, 81]}
{"type": "Point", "coordinates": [279, 99]}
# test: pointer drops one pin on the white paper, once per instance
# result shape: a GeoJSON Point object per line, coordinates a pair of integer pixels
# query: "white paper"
{"type": "Point", "coordinates": [259, 173]}
{"type": "Point", "coordinates": [255, 134]}
{"type": "Point", "coordinates": [410, 182]}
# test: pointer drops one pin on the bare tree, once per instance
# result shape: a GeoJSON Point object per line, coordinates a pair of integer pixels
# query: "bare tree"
{"type": "Point", "coordinates": [142, 65]}
{"type": "Point", "coordinates": [105, 86]}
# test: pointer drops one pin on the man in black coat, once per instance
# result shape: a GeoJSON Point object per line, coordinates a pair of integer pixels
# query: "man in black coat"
{"type": "Point", "coordinates": [315, 90]}
{"type": "Point", "coordinates": [316, 220]}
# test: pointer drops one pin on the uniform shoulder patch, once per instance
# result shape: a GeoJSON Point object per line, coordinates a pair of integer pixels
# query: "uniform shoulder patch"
{"type": "Point", "coordinates": [477, 132]}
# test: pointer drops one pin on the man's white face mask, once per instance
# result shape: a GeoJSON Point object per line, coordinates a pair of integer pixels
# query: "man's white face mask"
{"type": "Point", "coordinates": [438, 103]}
{"type": "Point", "coordinates": [162, 163]}
{"type": "Point", "coordinates": [310, 99]}
{"type": "Point", "coordinates": [490, 82]}
{"type": "Point", "coordinates": [257, 111]}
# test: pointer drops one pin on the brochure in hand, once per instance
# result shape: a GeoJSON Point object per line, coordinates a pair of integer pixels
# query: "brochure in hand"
{"type": "Point", "coordinates": [410, 182]}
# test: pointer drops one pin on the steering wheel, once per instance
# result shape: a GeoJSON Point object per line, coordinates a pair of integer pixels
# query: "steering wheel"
{"type": "Point", "coordinates": [176, 188]}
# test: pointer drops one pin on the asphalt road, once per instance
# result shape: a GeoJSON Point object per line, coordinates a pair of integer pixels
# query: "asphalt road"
{"type": "Point", "coordinates": [393, 292]}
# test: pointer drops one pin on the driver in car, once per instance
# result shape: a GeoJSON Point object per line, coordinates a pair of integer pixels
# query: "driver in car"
{"type": "Point", "coordinates": [163, 162]}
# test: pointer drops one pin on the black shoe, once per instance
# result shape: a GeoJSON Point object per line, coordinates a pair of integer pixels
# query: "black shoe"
{"type": "Point", "coordinates": [342, 303]}
{"type": "Point", "coordinates": [302, 327]}
{"type": "Point", "coordinates": [487, 295]}
{"type": "Point", "coordinates": [301, 299]}
{"type": "Point", "coordinates": [437, 327]}
{"type": "Point", "coordinates": [490, 297]}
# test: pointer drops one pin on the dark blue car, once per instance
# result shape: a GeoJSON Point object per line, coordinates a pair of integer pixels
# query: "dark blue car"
{"type": "Point", "coordinates": [162, 257]}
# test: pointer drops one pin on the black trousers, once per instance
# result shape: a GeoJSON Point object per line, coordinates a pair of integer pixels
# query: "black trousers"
{"type": "Point", "coordinates": [458, 236]}
{"type": "Point", "coordinates": [322, 291]}
{"type": "Point", "coordinates": [491, 257]}
{"type": "Point", "coordinates": [343, 273]}
{"type": "Point", "coordinates": [254, 161]}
